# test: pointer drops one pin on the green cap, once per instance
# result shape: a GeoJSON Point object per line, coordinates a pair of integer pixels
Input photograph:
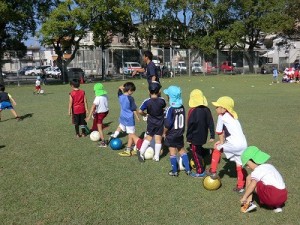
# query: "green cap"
{"type": "Point", "coordinates": [99, 89]}
{"type": "Point", "coordinates": [258, 156]}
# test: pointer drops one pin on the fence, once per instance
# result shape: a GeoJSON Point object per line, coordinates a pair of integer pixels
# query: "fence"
{"type": "Point", "coordinates": [112, 61]}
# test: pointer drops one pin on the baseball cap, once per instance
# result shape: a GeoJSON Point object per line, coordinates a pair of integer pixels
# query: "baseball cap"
{"type": "Point", "coordinates": [258, 156]}
{"type": "Point", "coordinates": [174, 93]}
{"type": "Point", "coordinates": [197, 98]}
{"type": "Point", "coordinates": [226, 103]}
{"type": "Point", "coordinates": [99, 89]}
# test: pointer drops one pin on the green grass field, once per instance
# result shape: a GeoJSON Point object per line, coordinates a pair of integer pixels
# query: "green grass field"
{"type": "Point", "coordinates": [47, 176]}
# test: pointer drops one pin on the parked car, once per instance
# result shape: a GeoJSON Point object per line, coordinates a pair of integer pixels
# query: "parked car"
{"type": "Point", "coordinates": [24, 69]}
{"type": "Point", "coordinates": [196, 67]}
{"type": "Point", "coordinates": [227, 67]}
{"type": "Point", "coordinates": [53, 72]}
{"type": "Point", "coordinates": [181, 67]}
{"type": "Point", "coordinates": [75, 73]}
{"type": "Point", "coordinates": [3, 75]}
{"type": "Point", "coordinates": [129, 67]}
{"type": "Point", "coordinates": [37, 70]}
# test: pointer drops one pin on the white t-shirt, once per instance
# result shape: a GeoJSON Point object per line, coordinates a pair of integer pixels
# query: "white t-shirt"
{"type": "Point", "coordinates": [37, 83]}
{"type": "Point", "coordinates": [235, 140]}
{"type": "Point", "coordinates": [269, 175]}
{"type": "Point", "coordinates": [101, 103]}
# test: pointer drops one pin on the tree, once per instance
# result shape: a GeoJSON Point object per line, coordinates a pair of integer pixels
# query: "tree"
{"type": "Point", "coordinates": [16, 24]}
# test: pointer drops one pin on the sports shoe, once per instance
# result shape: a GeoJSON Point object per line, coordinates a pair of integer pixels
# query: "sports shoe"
{"type": "Point", "coordinates": [247, 207]}
{"type": "Point", "coordinates": [125, 153]}
{"type": "Point", "coordinates": [277, 210]}
{"type": "Point", "coordinates": [140, 157]}
{"type": "Point", "coordinates": [134, 152]}
{"type": "Point", "coordinates": [102, 144]}
{"type": "Point", "coordinates": [239, 190]}
{"type": "Point", "coordinates": [155, 159]}
{"type": "Point", "coordinates": [200, 175]}
{"type": "Point", "coordinates": [173, 174]}
{"type": "Point", "coordinates": [213, 175]}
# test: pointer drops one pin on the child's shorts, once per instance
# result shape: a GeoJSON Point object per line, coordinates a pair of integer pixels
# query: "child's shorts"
{"type": "Point", "coordinates": [174, 142]}
{"type": "Point", "coordinates": [271, 196]}
{"type": "Point", "coordinates": [38, 87]}
{"type": "Point", "coordinates": [99, 117]}
{"type": "Point", "coordinates": [127, 129]}
{"type": "Point", "coordinates": [154, 130]}
{"type": "Point", "coordinates": [5, 105]}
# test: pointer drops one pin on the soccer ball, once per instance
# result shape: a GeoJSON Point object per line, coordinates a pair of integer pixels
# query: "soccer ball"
{"type": "Point", "coordinates": [42, 91]}
{"type": "Point", "coordinates": [180, 164]}
{"type": "Point", "coordinates": [95, 136]}
{"type": "Point", "coordinates": [149, 153]}
{"type": "Point", "coordinates": [211, 184]}
{"type": "Point", "coordinates": [192, 164]}
{"type": "Point", "coordinates": [116, 144]}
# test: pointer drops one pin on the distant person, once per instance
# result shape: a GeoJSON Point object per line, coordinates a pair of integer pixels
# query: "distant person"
{"type": "Point", "coordinates": [6, 102]}
{"type": "Point", "coordinates": [153, 108]}
{"type": "Point", "coordinates": [151, 70]}
{"type": "Point", "coordinates": [99, 110]}
{"type": "Point", "coordinates": [128, 110]}
{"type": "Point", "coordinates": [37, 89]}
{"type": "Point", "coordinates": [232, 141]}
{"type": "Point", "coordinates": [78, 108]}
{"type": "Point", "coordinates": [264, 180]}
{"type": "Point", "coordinates": [275, 75]}
{"type": "Point", "coordinates": [199, 122]}
{"type": "Point", "coordinates": [44, 77]}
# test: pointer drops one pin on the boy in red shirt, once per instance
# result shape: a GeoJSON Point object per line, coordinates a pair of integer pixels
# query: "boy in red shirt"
{"type": "Point", "coordinates": [78, 107]}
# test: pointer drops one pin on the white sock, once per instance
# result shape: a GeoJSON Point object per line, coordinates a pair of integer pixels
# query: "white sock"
{"type": "Point", "coordinates": [144, 146]}
{"type": "Point", "coordinates": [157, 150]}
{"type": "Point", "coordinates": [116, 134]}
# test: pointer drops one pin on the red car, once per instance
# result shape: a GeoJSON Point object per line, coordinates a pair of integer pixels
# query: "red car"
{"type": "Point", "coordinates": [226, 66]}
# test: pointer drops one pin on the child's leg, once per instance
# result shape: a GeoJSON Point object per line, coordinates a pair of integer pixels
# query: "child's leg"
{"type": "Point", "coordinates": [185, 159]}
{"type": "Point", "coordinates": [197, 156]}
{"type": "Point", "coordinates": [157, 147]}
{"type": "Point", "coordinates": [241, 176]}
{"type": "Point", "coordinates": [215, 158]}
{"type": "Point", "coordinates": [117, 132]}
{"type": "Point", "coordinates": [77, 130]}
{"type": "Point", "coordinates": [143, 148]}
{"type": "Point", "coordinates": [100, 130]}
{"type": "Point", "coordinates": [14, 113]}
{"type": "Point", "coordinates": [248, 181]}
{"type": "Point", "coordinates": [173, 160]}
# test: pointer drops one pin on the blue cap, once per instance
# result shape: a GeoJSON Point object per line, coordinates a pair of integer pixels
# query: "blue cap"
{"type": "Point", "coordinates": [174, 93]}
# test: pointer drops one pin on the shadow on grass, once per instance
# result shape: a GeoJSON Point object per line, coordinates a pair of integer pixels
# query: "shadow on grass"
{"type": "Point", "coordinates": [2, 146]}
{"type": "Point", "coordinates": [28, 115]}
{"type": "Point", "coordinates": [228, 169]}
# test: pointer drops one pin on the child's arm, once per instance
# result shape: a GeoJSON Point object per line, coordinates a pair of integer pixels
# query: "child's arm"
{"type": "Point", "coordinates": [249, 190]}
{"type": "Point", "coordinates": [142, 113]}
{"type": "Point", "coordinates": [91, 111]}
{"type": "Point", "coordinates": [136, 115]}
{"type": "Point", "coordinates": [86, 105]}
{"type": "Point", "coordinates": [70, 105]}
{"type": "Point", "coordinates": [12, 100]}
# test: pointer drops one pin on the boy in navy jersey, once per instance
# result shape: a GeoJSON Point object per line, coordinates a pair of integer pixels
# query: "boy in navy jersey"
{"type": "Point", "coordinates": [6, 102]}
{"type": "Point", "coordinates": [174, 125]}
{"type": "Point", "coordinates": [154, 107]}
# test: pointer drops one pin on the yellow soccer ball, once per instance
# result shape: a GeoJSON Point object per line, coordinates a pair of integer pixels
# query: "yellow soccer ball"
{"type": "Point", "coordinates": [211, 184]}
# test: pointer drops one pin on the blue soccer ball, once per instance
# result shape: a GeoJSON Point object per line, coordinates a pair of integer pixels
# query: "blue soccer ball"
{"type": "Point", "coordinates": [116, 144]}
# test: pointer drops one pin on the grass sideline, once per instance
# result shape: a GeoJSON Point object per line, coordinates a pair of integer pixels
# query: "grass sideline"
{"type": "Point", "coordinates": [49, 177]}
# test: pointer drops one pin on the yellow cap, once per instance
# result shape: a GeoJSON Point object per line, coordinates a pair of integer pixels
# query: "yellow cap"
{"type": "Point", "coordinates": [226, 103]}
{"type": "Point", "coordinates": [197, 98]}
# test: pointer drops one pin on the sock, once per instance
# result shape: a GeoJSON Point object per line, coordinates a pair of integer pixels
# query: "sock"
{"type": "Point", "coordinates": [77, 129]}
{"type": "Point", "coordinates": [173, 161]}
{"type": "Point", "coordinates": [157, 151]}
{"type": "Point", "coordinates": [240, 176]}
{"type": "Point", "coordinates": [144, 146]}
{"type": "Point", "coordinates": [116, 134]}
{"type": "Point", "coordinates": [185, 162]}
{"type": "Point", "coordinates": [215, 158]}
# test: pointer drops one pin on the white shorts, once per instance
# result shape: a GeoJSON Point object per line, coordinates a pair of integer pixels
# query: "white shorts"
{"type": "Point", "coordinates": [127, 129]}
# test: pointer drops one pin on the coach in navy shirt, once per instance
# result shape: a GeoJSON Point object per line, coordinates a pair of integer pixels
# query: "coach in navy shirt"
{"type": "Point", "coordinates": [151, 70]}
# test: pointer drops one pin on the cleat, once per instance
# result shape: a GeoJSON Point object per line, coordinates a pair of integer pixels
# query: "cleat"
{"type": "Point", "coordinates": [248, 207]}
{"type": "Point", "coordinates": [277, 210]}
{"type": "Point", "coordinates": [173, 174]}
{"type": "Point", "coordinates": [239, 190]}
{"type": "Point", "coordinates": [102, 144]}
{"type": "Point", "coordinates": [213, 175]}
{"type": "Point", "coordinates": [198, 175]}
{"type": "Point", "coordinates": [140, 157]}
{"type": "Point", "coordinates": [126, 153]}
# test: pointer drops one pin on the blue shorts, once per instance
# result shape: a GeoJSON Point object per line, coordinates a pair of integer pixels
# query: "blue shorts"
{"type": "Point", "coordinates": [175, 142]}
{"type": "Point", "coordinates": [5, 105]}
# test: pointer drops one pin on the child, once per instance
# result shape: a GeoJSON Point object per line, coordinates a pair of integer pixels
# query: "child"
{"type": "Point", "coordinates": [232, 140]}
{"type": "Point", "coordinates": [99, 110]}
{"type": "Point", "coordinates": [126, 119]}
{"type": "Point", "coordinates": [78, 107]}
{"type": "Point", "coordinates": [5, 102]}
{"type": "Point", "coordinates": [264, 179]}
{"type": "Point", "coordinates": [154, 107]}
{"type": "Point", "coordinates": [199, 121]}
{"type": "Point", "coordinates": [275, 75]}
{"type": "Point", "coordinates": [37, 89]}
{"type": "Point", "coordinates": [174, 124]}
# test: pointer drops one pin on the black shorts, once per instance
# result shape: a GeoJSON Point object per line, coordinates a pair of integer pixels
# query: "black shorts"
{"type": "Point", "coordinates": [175, 142]}
{"type": "Point", "coordinates": [79, 119]}
{"type": "Point", "coordinates": [154, 130]}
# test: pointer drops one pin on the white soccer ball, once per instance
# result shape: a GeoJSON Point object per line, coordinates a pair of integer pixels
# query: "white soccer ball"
{"type": "Point", "coordinates": [42, 91]}
{"type": "Point", "coordinates": [180, 164]}
{"type": "Point", "coordinates": [95, 136]}
{"type": "Point", "coordinates": [149, 153]}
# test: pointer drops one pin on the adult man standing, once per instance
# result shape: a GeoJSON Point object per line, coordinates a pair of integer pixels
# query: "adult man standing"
{"type": "Point", "coordinates": [151, 70]}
